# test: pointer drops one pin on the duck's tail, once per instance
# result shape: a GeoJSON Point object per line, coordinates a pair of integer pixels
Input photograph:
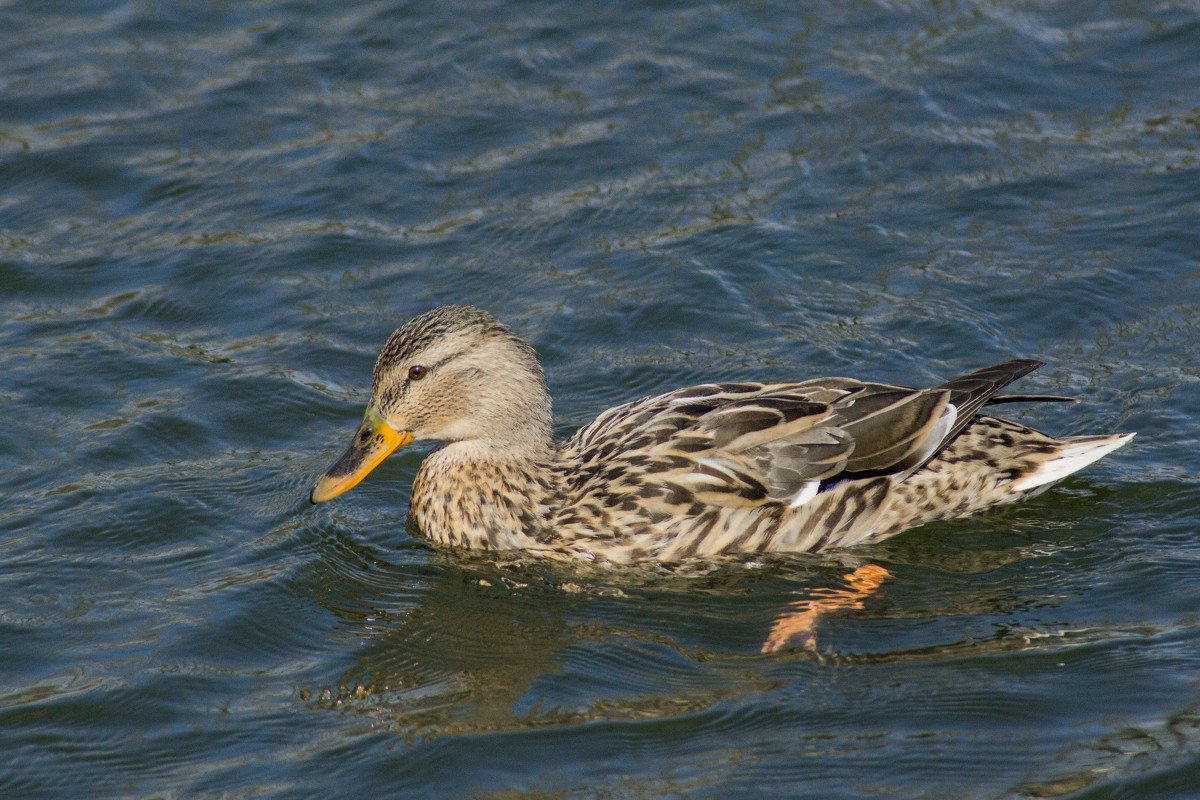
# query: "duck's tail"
{"type": "Point", "coordinates": [1075, 453]}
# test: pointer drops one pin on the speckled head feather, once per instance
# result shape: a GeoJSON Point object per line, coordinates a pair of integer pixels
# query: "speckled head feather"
{"type": "Point", "coordinates": [707, 470]}
{"type": "Point", "coordinates": [481, 382]}
{"type": "Point", "coordinates": [440, 323]}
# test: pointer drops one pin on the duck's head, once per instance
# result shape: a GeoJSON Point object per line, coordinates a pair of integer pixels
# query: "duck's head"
{"type": "Point", "coordinates": [455, 375]}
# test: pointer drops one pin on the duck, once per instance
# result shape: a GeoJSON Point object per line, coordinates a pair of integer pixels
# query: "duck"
{"type": "Point", "coordinates": [732, 468]}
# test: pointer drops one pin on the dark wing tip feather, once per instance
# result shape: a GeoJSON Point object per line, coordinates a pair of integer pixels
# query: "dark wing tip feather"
{"type": "Point", "coordinates": [1030, 398]}
{"type": "Point", "coordinates": [971, 392]}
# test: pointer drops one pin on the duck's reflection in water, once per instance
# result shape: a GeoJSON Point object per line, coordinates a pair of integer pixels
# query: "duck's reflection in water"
{"type": "Point", "coordinates": [492, 646]}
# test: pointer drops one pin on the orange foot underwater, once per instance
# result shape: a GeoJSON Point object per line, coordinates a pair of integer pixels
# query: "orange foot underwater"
{"type": "Point", "coordinates": [801, 620]}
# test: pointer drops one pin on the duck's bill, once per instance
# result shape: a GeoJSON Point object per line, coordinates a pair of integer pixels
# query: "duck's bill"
{"type": "Point", "coordinates": [374, 441]}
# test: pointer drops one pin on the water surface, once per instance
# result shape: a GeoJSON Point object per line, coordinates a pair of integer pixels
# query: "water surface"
{"type": "Point", "coordinates": [212, 216]}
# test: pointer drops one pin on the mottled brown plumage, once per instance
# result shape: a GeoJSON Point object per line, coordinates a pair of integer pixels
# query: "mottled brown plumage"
{"type": "Point", "coordinates": [708, 470]}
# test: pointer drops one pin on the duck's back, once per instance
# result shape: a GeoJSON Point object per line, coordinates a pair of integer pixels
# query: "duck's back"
{"type": "Point", "coordinates": [800, 467]}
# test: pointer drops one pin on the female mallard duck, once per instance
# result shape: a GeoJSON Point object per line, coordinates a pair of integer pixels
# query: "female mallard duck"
{"type": "Point", "coordinates": [707, 470]}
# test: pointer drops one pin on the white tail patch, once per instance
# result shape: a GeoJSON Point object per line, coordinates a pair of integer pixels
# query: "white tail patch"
{"type": "Point", "coordinates": [1076, 453]}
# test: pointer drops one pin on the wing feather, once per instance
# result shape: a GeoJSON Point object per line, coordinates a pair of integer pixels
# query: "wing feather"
{"type": "Point", "coordinates": [738, 445]}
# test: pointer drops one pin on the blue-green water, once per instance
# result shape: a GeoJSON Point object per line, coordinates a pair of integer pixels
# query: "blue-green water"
{"type": "Point", "coordinates": [213, 214]}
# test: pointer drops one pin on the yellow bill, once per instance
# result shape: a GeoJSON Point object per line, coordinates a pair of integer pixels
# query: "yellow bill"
{"type": "Point", "coordinates": [374, 441]}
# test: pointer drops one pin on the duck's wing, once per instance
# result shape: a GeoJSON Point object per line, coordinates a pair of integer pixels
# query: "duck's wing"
{"type": "Point", "coordinates": [728, 444]}
{"type": "Point", "coordinates": [738, 445]}
{"type": "Point", "coordinates": [741, 444]}
{"type": "Point", "coordinates": [897, 429]}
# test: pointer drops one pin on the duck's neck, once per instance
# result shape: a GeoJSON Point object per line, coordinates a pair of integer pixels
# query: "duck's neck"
{"type": "Point", "coordinates": [500, 451]}
{"type": "Point", "coordinates": [487, 496]}
{"type": "Point", "coordinates": [510, 426]}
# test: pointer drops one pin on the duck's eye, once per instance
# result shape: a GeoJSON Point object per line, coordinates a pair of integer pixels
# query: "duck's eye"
{"type": "Point", "coordinates": [416, 373]}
